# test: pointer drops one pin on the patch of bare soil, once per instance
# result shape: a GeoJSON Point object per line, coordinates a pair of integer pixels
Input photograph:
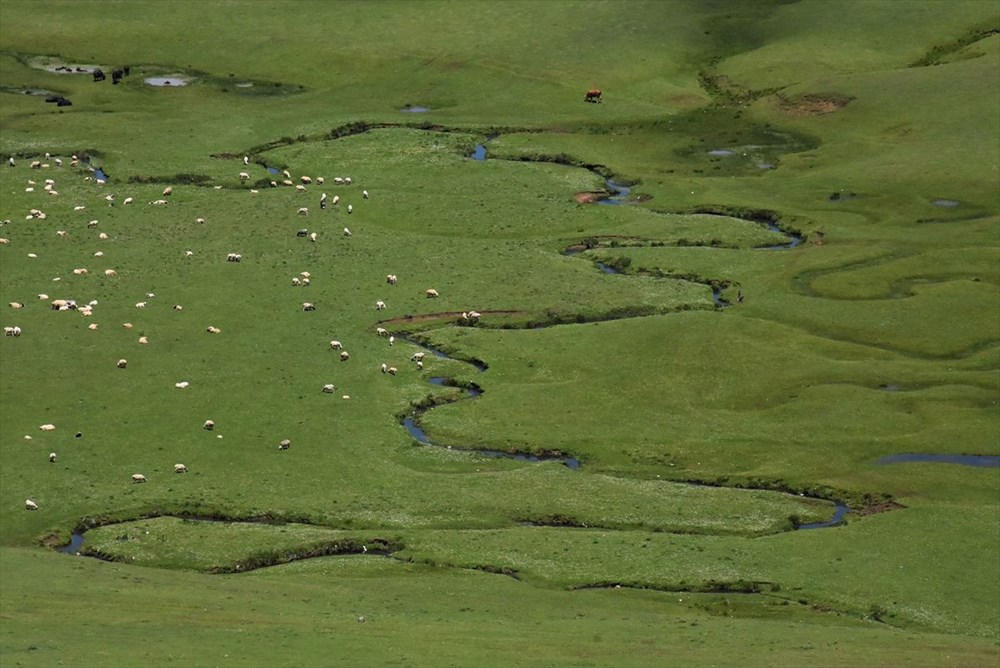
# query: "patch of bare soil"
{"type": "Point", "coordinates": [814, 104]}
{"type": "Point", "coordinates": [879, 507]}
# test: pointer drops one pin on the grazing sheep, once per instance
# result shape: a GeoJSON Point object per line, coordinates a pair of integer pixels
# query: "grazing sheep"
{"type": "Point", "coordinates": [79, 272]}
{"type": "Point", "coordinates": [286, 174]}
{"type": "Point", "coordinates": [99, 254]}
{"type": "Point", "coordinates": [336, 345]}
{"type": "Point", "coordinates": [122, 363]}
{"type": "Point", "coordinates": [188, 253]}
{"type": "Point", "coordinates": [12, 331]}
{"type": "Point", "coordinates": [42, 296]}
{"type": "Point", "coordinates": [52, 457]}
{"type": "Point", "coordinates": [391, 279]}
{"type": "Point", "coordinates": [312, 237]}
{"type": "Point", "coordinates": [178, 307]}
{"type": "Point", "coordinates": [350, 208]}
{"type": "Point", "coordinates": [200, 221]}
{"type": "Point", "coordinates": [347, 180]}
{"type": "Point", "coordinates": [180, 468]}
{"type": "Point", "coordinates": [47, 427]}
{"type": "Point", "coordinates": [213, 330]}
{"type": "Point", "coordinates": [288, 182]}
{"type": "Point", "coordinates": [60, 305]}
{"type": "Point", "coordinates": [61, 234]}
{"type": "Point", "coordinates": [128, 200]}
{"type": "Point", "coordinates": [209, 425]}
{"type": "Point", "coordinates": [305, 179]}
{"type": "Point", "coordinates": [329, 388]}
{"type": "Point", "coordinates": [246, 160]}
{"type": "Point", "coordinates": [138, 477]}
{"type": "Point", "coordinates": [344, 356]}
{"type": "Point", "coordinates": [364, 193]}
{"type": "Point", "coordinates": [300, 189]}
{"type": "Point", "coordinates": [244, 176]}
{"type": "Point", "coordinates": [303, 211]}
{"type": "Point", "coordinates": [305, 281]}
{"type": "Point", "coordinates": [92, 224]}
{"type": "Point", "coordinates": [304, 232]}
{"type": "Point", "coordinates": [336, 200]}
{"type": "Point", "coordinates": [382, 331]}
{"type": "Point", "coordinates": [296, 281]}
{"type": "Point", "coordinates": [30, 505]}
{"type": "Point", "coordinates": [110, 272]}
{"type": "Point", "coordinates": [143, 340]}
{"type": "Point", "coordinates": [338, 180]}
{"type": "Point", "coordinates": [417, 356]}
{"type": "Point", "coordinates": [285, 444]}
{"type": "Point", "coordinates": [380, 305]}
{"type": "Point", "coordinates": [392, 370]}
{"type": "Point", "coordinates": [168, 191]}
{"type": "Point", "coordinates": [159, 202]}
{"type": "Point", "coordinates": [308, 306]}
{"type": "Point", "coordinates": [322, 201]}
{"type": "Point", "coordinates": [392, 340]}
{"type": "Point", "coordinates": [431, 293]}
{"type": "Point", "coordinates": [420, 364]}
{"type": "Point", "coordinates": [127, 325]}
{"type": "Point", "coordinates": [16, 305]}
{"type": "Point", "coordinates": [320, 180]}
{"type": "Point", "coordinates": [183, 385]}
{"type": "Point", "coordinates": [92, 326]}
{"type": "Point", "coordinates": [79, 207]}
{"type": "Point", "coordinates": [305, 274]}
{"type": "Point", "coordinates": [347, 232]}
{"type": "Point", "coordinates": [140, 304]}
{"type": "Point", "coordinates": [234, 257]}
{"type": "Point", "coordinates": [4, 241]}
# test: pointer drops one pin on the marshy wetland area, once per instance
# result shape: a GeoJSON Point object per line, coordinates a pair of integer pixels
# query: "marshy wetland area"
{"type": "Point", "coordinates": [370, 334]}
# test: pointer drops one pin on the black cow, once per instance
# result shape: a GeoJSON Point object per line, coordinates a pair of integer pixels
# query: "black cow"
{"type": "Point", "coordinates": [116, 76]}
{"type": "Point", "coordinates": [99, 75]}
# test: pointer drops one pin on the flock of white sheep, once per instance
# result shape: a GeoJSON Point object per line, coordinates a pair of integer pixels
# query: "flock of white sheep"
{"type": "Point", "coordinates": [303, 279]}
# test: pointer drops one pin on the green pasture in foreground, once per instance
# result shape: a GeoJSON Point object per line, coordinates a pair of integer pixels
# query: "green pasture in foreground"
{"type": "Point", "coordinates": [868, 130]}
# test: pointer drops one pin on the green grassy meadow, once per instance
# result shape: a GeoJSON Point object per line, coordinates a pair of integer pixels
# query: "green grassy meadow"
{"type": "Point", "coordinates": [804, 279]}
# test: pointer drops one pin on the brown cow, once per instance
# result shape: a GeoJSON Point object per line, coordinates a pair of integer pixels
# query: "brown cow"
{"type": "Point", "coordinates": [593, 95]}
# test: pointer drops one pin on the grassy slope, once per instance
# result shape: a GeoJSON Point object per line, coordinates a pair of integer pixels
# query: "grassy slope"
{"type": "Point", "coordinates": [875, 304]}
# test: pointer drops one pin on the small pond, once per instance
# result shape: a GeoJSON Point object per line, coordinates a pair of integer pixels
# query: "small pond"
{"type": "Point", "coordinates": [171, 82]}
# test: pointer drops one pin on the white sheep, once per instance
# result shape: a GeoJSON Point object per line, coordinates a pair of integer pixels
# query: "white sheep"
{"type": "Point", "coordinates": [92, 326]}
{"type": "Point", "coordinates": [47, 427]}
{"type": "Point", "coordinates": [213, 330]}
{"type": "Point", "coordinates": [308, 306]}
{"type": "Point", "coordinates": [138, 477]}
{"type": "Point", "coordinates": [303, 211]}
{"type": "Point", "coordinates": [392, 370]}
{"type": "Point", "coordinates": [52, 457]}
{"type": "Point", "coordinates": [140, 304]}
{"type": "Point", "coordinates": [246, 160]}
{"type": "Point", "coordinates": [336, 200]}
{"type": "Point", "coordinates": [329, 388]}
{"type": "Point", "coordinates": [431, 293]}
{"type": "Point", "coordinates": [347, 232]}
{"type": "Point", "coordinates": [122, 363]}
{"type": "Point", "coordinates": [392, 340]}
{"type": "Point", "coordinates": [168, 191]}
{"type": "Point", "coordinates": [300, 189]}
{"type": "Point", "coordinates": [296, 280]}
{"type": "Point", "coordinates": [336, 345]}
{"type": "Point", "coordinates": [178, 307]}
{"type": "Point", "coordinates": [183, 385]}
{"type": "Point", "coordinates": [344, 356]}
{"type": "Point", "coordinates": [16, 305]}
{"type": "Point", "coordinates": [312, 237]}
{"type": "Point", "coordinates": [384, 367]}
{"type": "Point", "coordinates": [128, 200]}
{"type": "Point", "coordinates": [350, 208]}
{"type": "Point", "coordinates": [364, 193]}
{"type": "Point", "coordinates": [305, 179]}
{"type": "Point", "coordinates": [417, 356]}
{"type": "Point", "coordinates": [209, 425]}
{"type": "Point", "coordinates": [143, 340]}
{"type": "Point", "coordinates": [244, 176]}
{"type": "Point", "coordinates": [180, 468]}
{"type": "Point", "coordinates": [110, 272]}
{"type": "Point", "coordinates": [30, 505]}
{"type": "Point", "coordinates": [382, 331]}
{"type": "Point", "coordinates": [380, 305]}
{"type": "Point", "coordinates": [391, 279]}
{"type": "Point", "coordinates": [285, 444]}
{"type": "Point", "coordinates": [12, 331]}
